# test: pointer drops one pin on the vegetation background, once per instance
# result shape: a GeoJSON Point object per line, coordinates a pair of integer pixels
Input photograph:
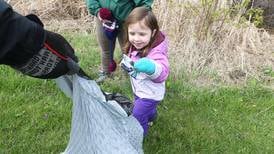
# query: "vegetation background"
{"type": "Point", "coordinates": [219, 93]}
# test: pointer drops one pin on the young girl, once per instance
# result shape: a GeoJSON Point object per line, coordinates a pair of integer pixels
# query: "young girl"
{"type": "Point", "coordinates": [119, 11]}
{"type": "Point", "coordinates": [147, 48]}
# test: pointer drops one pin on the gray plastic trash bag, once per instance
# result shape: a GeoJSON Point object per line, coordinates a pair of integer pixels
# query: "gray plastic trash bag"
{"type": "Point", "coordinates": [98, 126]}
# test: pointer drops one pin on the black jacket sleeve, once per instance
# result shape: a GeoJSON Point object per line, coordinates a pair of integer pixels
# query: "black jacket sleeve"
{"type": "Point", "coordinates": [20, 38]}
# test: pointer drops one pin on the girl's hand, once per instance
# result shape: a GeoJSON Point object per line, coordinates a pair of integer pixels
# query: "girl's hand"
{"type": "Point", "coordinates": [145, 65]}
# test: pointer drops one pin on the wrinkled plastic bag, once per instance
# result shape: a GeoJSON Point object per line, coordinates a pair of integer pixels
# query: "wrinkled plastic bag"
{"type": "Point", "coordinates": [98, 126]}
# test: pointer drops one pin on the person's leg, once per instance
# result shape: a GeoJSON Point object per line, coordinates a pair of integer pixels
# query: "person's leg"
{"type": "Point", "coordinates": [121, 38]}
{"type": "Point", "coordinates": [153, 115]}
{"type": "Point", "coordinates": [106, 46]}
{"type": "Point", "coordinates": [143, 109]}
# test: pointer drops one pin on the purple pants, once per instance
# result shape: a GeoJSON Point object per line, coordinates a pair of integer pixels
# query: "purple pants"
{"type": "Point", "coordinates": [144, 110]}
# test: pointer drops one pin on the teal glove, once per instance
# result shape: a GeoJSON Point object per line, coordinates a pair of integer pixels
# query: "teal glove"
{"type": "Point", "coordinates": [145, 65]}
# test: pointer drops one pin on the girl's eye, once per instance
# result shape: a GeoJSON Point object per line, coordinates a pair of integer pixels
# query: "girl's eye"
{"type": "Point", "coordinates": [142, 34]}
{"type": "Point", "coordinates": [131, 33]}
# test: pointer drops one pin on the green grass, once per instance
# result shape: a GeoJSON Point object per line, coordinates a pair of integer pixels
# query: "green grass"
{"type": "Point", "coordinates": [35, 116]}
{"type": "Point", "coordinates": [222, 120]}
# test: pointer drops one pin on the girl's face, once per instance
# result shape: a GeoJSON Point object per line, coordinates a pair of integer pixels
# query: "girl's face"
{"type": "Point", "coordinates": [139, 34]}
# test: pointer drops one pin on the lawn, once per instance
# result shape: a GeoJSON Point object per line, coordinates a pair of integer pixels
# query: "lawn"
{"type": "Point", "coordinates": [35, 116]}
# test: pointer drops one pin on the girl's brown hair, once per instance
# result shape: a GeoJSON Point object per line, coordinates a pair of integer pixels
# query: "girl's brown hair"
{"type": "Point", "coordinates": [138, 14]}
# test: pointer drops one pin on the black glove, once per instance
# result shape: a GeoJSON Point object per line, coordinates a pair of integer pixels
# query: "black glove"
{"type": "Point", "coordinates": [54, 40]}
{"type": "Point", "coordinates": [35, 19]}
{"type": "Point", "coordinates": [55, 59]}
{"type": "Point", "coordinates": [59, 44]}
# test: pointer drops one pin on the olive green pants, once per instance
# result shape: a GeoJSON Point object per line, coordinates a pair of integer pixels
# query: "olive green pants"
{"type": "Point", "coordinates": [106, 45]}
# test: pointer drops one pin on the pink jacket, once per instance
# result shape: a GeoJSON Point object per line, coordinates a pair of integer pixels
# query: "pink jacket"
{"type": "Point", "coordinates": [152, 86]}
